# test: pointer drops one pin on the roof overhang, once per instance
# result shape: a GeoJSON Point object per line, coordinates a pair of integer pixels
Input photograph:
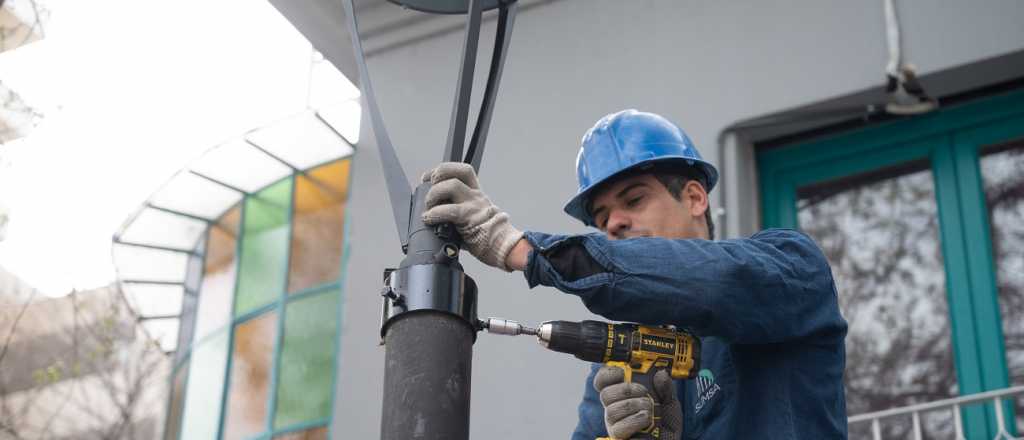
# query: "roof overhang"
{"type": "Point", "coordinates": [860, 108]}
{"type": "Point", "coordinates": [384, 26]}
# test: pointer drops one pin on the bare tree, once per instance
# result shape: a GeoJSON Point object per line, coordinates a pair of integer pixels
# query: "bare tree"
{"type": "Point", "coordinates": [881, 235]}
{"type": "Point", "coordinates": [21, 21]}
{"type": "Point", "coordinates": [79, 367]}
{"type": "Point", "coordinates": [1003, 177]}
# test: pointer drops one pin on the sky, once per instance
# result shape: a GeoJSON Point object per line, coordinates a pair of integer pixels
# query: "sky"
{"type": "Point", "coordinates": [131, 92]}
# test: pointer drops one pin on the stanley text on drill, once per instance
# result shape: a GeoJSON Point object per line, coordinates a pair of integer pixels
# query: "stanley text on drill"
{"type": "Point", "coordinates": [639, 350]}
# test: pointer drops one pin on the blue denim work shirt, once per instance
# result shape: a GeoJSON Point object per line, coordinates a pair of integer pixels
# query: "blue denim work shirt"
{"type": "Point", "coordinates": [765, 308]}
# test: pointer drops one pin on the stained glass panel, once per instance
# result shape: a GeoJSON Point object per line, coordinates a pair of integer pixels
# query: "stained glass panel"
{"type": "Point", "coordinates": [264, 247]}
{"type": "Point", "coordinates": [316, 245]}
{"type": "Point", "coordinates": [205, 388]}
{"type": "Point", "coordinates": [251, 364]}
{"type": "Point", "coordinates": [220, 266]}
{"type": "Point", "coordinates": [305, 379]}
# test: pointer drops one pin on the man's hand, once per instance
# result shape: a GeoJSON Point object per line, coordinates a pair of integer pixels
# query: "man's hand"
{"type": "Point", "coordinates": [629, 408]}
{"type": "Point", "coordinates": [456, 198]}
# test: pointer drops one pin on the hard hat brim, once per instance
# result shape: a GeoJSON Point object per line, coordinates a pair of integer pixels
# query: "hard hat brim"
{"type": "Point", "coordinates": [577, 206]}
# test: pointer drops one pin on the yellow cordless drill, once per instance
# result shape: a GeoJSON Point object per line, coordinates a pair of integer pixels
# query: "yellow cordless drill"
{"type": "Point", "coordinates": [641, 351]}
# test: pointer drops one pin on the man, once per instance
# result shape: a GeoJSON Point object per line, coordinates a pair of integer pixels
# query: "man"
{"type": "Point", "coordinates": [765, 307]}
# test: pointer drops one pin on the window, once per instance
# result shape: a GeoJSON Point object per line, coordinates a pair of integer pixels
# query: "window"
{"type": "Point", "coordinates": [263, 356]}
{"type": "Point", "coordinates": [919, 219]}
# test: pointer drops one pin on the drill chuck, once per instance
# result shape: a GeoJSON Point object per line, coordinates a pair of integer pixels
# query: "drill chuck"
{"type": "Point", "coordinates": [592, 341]}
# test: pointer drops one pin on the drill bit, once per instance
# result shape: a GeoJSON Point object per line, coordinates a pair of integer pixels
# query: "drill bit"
{"type": "Point", "coordinates": [501, 326]}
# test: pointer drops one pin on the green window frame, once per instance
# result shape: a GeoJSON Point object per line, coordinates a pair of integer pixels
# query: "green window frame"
{"type": "Point", "coordinates": [950, 139]}
{"type": "Point", "coordinates": [282, 302]}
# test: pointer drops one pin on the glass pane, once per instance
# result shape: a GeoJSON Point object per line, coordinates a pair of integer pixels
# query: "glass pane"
{"type": "Point", "coordinates": [220, 266]}
{"type": "Point", "coordinates": [139, 263]}
{"type": "Point", "coordinates": [191, 194]}
{"type": "Point", "coordinates": [305, 380]}
{"type": "Point", "coordinates": [309, 434]}
{"type": "Point", "coordinates": [1002, 171]}
{"type": "Point", "coordinates": [194, 273]}
{"type": "Point", "coordinates": [318, 226]}
{"type": "Point", "coordinates": [344, 117]}
{"type": "Point", "coordinates": [251, 362]}
{"type": "Point", "coordinates": [222, 163]}
{"type": "Point", "coordinates": [302, 140]}
{"type": "Point", "coordinates": [264, 247]}
{"type": "Point", "coordinates": [155, 299]}
{"type": "Point", "coordinates": [205, 388]}
{"type": "Point", "coordinates": [164, 331]}
{"type": "Point", "coordinates": [880, 233]}
{"type": "Point", "coordinates": [185, 326]}
{"type": "Point", "coordinates": [160, 228]}
{"type": "Point", "coordinates": [187, 323]}
{"type": "Point", "coordinates": [177, 400]}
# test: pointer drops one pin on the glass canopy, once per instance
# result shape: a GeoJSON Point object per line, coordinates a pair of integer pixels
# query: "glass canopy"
{"type": "Point", "coordinates": [154, 248]}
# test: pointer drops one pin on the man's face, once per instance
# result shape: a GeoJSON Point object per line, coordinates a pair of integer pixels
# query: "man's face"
{"type": "Point", "coordinates": [641, 206]}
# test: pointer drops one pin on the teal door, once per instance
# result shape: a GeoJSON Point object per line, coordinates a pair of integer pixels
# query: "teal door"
{"type": "Point", "coordinates": [922, 220]}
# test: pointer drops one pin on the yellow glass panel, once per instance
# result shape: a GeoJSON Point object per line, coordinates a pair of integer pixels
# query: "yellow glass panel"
{"type": "Point", "coordinates": [318, 226]}
{"type": "Point", "coordinates": [251, 362]}
{"type": "Point", "coordinates": [326, 185]}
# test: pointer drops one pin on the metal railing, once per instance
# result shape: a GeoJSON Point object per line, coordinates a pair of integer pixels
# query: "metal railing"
{"type": "Point", "coordinates": [954, 404]}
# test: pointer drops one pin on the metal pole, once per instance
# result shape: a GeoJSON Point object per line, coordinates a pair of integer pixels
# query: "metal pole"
{"type": "Point", "coordinates": [428, 316]}
{"type": "Point", "coordinates": [429, 326]}
{"type": "Point", "coordinates": [426, 384]}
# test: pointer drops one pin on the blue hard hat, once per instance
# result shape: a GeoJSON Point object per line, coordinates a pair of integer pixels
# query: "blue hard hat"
{"type": "Point", "coordinates": [629, 140]}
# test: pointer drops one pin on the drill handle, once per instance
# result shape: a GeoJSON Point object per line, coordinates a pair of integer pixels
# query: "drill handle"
{"type": "Point", "coordinates": [647, 380]}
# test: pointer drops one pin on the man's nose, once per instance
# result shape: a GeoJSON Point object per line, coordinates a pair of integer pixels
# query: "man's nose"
{"type": "Point", "coordinates": [618, 225]}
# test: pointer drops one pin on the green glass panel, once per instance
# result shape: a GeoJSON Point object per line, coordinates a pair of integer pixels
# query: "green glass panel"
{"type": "Point", "coordinates": [205, 388]}
{"type": "Point", "coordinates": [264, 256]}
{"type": "Point", "coordinates": [305, 381]}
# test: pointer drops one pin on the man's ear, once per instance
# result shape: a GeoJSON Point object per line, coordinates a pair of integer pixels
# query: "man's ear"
{"type": "Point", "coordinates": [697, 198]}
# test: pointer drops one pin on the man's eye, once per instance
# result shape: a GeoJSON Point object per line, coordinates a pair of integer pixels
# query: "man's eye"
{"type": "Point", "coordinates": [634, 201]}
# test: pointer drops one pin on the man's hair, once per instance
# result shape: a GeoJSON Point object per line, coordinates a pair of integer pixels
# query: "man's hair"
{"type": "Point", "coordinates": [675, 181]}
{"type": "Point", "coordinates": [674, 178]}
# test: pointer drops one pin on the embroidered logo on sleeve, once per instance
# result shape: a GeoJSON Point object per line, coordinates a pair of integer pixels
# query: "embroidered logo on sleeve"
{"type": "Point", "coordinates": [707, 389]}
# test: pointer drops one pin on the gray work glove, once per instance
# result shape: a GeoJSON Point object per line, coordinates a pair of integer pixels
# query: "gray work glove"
{"type": "Point", "coordinates": [629, 407]}
{"type": "Point", "coordinates": [456, 198]}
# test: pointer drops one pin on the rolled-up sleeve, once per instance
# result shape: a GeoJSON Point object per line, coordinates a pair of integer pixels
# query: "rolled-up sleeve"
{"type": "Point", "coordinates": [772, 287]}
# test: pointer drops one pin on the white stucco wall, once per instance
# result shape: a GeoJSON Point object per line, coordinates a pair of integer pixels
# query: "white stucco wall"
{"type": "Point", "coordinates": [703, 64]}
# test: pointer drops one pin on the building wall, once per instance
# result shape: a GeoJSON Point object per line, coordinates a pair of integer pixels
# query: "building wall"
{"type": "Point", "coordinates": [702, 64]}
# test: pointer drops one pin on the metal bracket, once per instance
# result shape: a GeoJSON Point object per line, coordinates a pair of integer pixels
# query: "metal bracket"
{"type": "Point", "coordinates": [399, 190]}
{"type": "Point", "coordinates": [440, 288]}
